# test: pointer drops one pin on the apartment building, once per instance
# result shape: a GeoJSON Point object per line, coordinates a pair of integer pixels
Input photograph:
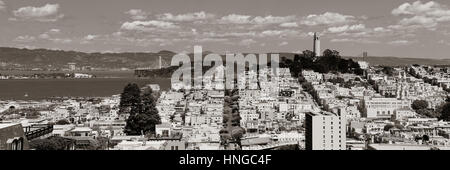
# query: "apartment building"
{"type": "Point", "coordinates": [325, 131]}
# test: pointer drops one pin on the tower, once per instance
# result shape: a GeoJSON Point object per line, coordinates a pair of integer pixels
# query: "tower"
{"type": "Point", "coordinates": [160, 63]}
{"type": "Point", "coordinates": [316, 45]}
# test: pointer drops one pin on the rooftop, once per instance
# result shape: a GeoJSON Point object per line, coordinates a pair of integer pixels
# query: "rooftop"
{"type": "Point", "coordinates": [82, 129]}
{"type": "Point", "coordinates": [5, 125]}
{"type": "Point", "coordinates": [404, 147]}
{"type": "Point", "coordinates": [322, 113]}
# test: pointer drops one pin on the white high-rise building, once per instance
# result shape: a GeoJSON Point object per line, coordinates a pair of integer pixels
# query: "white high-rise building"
{"type": "Point", "coordinates": [316, 45]}
{"type": "Point", "coordinates": [325, 131]}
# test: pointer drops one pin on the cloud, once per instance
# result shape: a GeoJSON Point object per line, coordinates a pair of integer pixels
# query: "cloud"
{"type": "Point", "coordinates": [25, 39]}
{"type": "Point", "coordinates": [186, 17]}
{"type": "Point", "coordinates": [289, 25]}
{"type": "Point", "coordinates": [283, 43]}
{"type": "Point", "coordinates": [236, 19]}
{"type": "Point", "coordinates": [401, 42]}
{"type": "Point", "coordinates": [90, 37]}
{"type": "Point", "coordinates": [137, 14]}
{"type": "Point", "coordinates": [444, 42]}
{"type": "Point", "coordinates": [419, 20]}
{"type": "Point", "coordinates": [147, 25]}
{"type": "Point", "coordinates": [46, 13]}
{"type": "Point", "coordinates": [212, 40]}
{"type": "Point", "coordinates": [61, 40]}
{"type": "Point", "coordinates": [230, 34]}
{"type": "Point", "coordinates": [381, 29]}
{"type": "Point", "coordinates": [355, 40]}
{"type": "Point", "coordinates": [346, 28]}
{"type": "Point", "coordinates": [272, 19]}
{"type": "Point", "coordinates": [47, 34]}
{"type": "Point", "coordinates": [281, 33]}
{"type": "Point", "coordinates": [247, 42]}
{"type": "Point", "coordinates": [271, 33]}
{"type": "Point", "coordinates": [426, 15]}
{"type": "Point", "coordinates": [258, 20]}
{"type": "Point", "coordinates": [50, 35]}
{"type": "Point", "coordinates": [54, 31]}
{"type": "Point", "coordinates": [419, 8]}
{"type": "Point", "coordinates": [2, 5]}
{"type": "Point", "coordinates": [328, 18]}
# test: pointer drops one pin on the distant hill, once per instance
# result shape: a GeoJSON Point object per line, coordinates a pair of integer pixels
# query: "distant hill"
{"type": "Point", "coordinates": [43, 58]}
{"type": "Point", "coordinates": [57, 59]}
{"type": "Point", "coordinates": [389, 61]}
{"type": "Point", "coordinates": [396, 61]}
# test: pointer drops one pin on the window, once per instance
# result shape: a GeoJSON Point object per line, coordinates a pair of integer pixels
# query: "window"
{"type": "Point", "coordinates": [14, 145]}
{"type": "Point", "coordinates": [19, 144]}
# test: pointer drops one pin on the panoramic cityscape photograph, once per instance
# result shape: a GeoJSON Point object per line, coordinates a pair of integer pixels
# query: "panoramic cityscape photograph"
{"type": "Point", "coordinates": [216, 75]}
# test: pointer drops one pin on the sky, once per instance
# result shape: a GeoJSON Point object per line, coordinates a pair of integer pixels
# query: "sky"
{"type": "Point", "coordinates": [400, 28]}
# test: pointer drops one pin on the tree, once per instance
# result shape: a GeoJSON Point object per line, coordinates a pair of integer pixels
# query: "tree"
{"type": "Point", "coordinates": [51, 143]}
{"type": "Point", "coordinates": [428, 113]}
{"type": "Point", "coordinates": [237, 133]}
{"type": "Point", "coordinates": [419, 104]}
{"type": "Point", "coordinates": [388, 70]}
{"type": "Point", "coordinates": [130, 99]}
{"type": "Point", "coordinates": [144, 115]}
{"type": "Point", "coordinates": [388, 127]}
{"type": "Point", "coordinates": [231, 119]}
{"type": "Point", "coordinates": [445, 113]}
{"type": "Point", "coordinates": [62, 122]}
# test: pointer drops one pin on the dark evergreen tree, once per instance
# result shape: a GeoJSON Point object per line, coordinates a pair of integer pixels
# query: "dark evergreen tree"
{"type": "Point", "coordinates": [419, 104]}
{"type": "Point", "coordinates": [445, 114]}
{"type": "Point", "coordinates": [144, 115]}
{"type": "Point", "coordinates": [130, 99]}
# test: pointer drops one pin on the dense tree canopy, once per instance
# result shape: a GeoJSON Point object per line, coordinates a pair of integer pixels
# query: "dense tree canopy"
{"type": "Point", "coordinates": [419, 104]}
{"type": "Point", "coordinates": [52, 143]}
{"type": "Point", "coordinates": [62, 122]}
{"type": "Point", "coordinates": [231, 132]}
{"type": "Point", "coordinates": [331, 61]}
{"type": "Point", "coordinates": [130, 99]}
{"type": "Point", "coordinates": [143, 113]}
{"type": "Point", "coordinates": [445, 114]}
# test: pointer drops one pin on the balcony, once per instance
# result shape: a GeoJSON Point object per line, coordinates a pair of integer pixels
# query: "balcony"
{"type": "Point", "coordinates": [37, 131]}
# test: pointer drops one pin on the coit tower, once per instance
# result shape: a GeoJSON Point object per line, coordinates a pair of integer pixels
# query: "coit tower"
{"type": "Point", "coordinates": [316, 45]}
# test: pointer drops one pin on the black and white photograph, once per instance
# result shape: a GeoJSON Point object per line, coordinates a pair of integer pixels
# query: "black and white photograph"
{"type": "Point", "coordinates": [221, 75]}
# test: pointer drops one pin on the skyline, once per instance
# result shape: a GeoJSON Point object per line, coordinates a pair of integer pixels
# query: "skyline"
{"type": "Point", "coordinates": [401, 28]}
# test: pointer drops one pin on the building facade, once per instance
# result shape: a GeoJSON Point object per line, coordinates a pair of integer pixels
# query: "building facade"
{"type": "Point", "coordinates": [325, 131]}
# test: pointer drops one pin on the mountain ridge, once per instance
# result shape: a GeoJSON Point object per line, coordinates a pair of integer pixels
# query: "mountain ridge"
{"type": "Point", "coordinates": [11, 58]}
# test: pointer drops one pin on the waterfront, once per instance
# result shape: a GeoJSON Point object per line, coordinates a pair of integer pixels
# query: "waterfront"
{"type": "Point", "coordinates": [45, 88]}
{"type": "Point", "coordinates": [98, 74]}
